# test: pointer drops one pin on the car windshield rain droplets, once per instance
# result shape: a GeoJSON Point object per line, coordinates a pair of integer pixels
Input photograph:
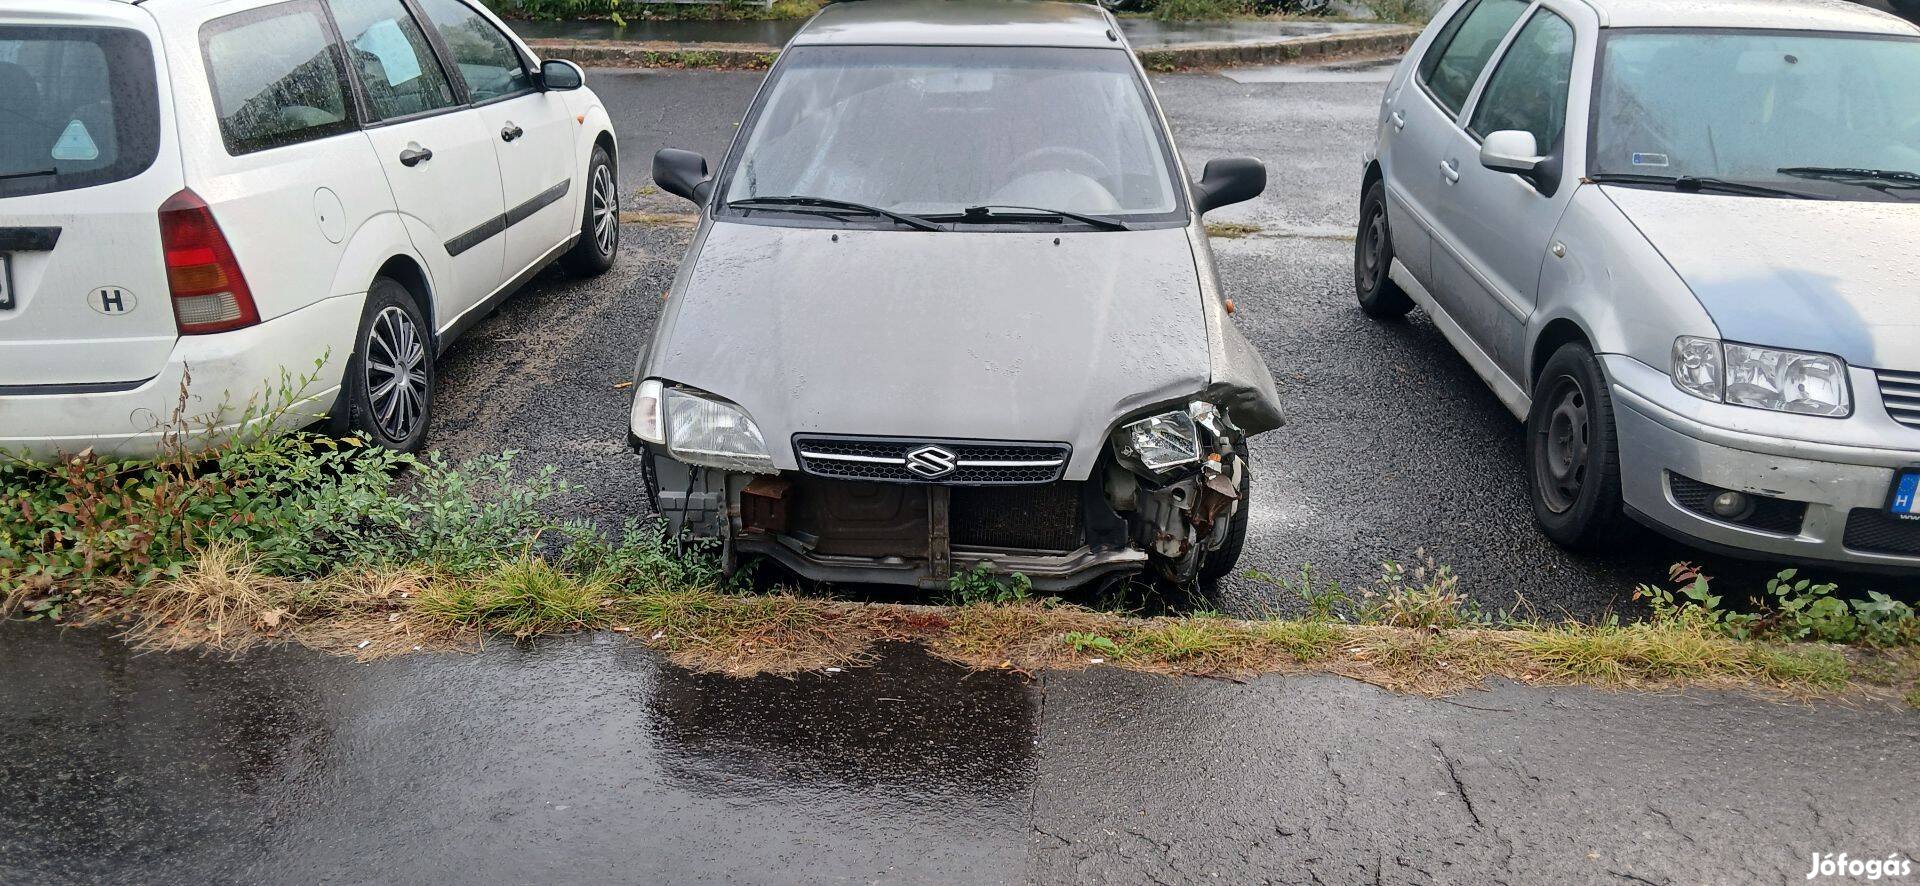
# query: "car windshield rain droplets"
{"type": "Point", "coordinates": [937, 130]}
{"type": "Point", "coordinates": [1800, 112]}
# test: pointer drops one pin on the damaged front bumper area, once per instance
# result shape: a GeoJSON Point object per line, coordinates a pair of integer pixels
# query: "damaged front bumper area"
{"type": "Point", "coordinates": [916, 512]}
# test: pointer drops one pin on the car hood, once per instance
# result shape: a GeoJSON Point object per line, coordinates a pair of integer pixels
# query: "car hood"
{"type": "Point", "coordinates": [958, 335]}
{"type": "Point", "coordinates": [1814, 275]}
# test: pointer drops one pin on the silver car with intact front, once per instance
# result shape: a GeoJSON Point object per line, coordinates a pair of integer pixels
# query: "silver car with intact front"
{"type": "Point", "coordinates": [1679, 241]}
{"type": "Point", "coordinates": [950, 302]}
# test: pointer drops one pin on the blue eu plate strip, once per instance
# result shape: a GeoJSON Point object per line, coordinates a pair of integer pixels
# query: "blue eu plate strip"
{"type": "Point", "coordinates": [1906, 499]}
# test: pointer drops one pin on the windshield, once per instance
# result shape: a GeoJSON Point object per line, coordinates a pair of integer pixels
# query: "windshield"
{"type": "Point", "coordinates": [1742, 106]}
{"type": "Point", "coordinates": [77, 108]}
{"type": "Point", "coordinates": [933, 130]}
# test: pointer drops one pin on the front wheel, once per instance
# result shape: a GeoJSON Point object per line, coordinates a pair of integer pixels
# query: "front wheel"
{"type": "Point", "coordinates": [593, 254]}
{"type": "Point", "coordinates": [390, 379]}
{"type": "Point", "coordinates": [1573, 456]}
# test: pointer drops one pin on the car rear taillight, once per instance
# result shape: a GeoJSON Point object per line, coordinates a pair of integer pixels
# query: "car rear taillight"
{"type": "Point", "coordinates": [209, 292]}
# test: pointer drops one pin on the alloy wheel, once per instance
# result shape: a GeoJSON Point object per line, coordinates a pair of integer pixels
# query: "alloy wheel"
{"type": "Point", "coordinates": [396, 367]}
{"type": "Point", "coordinates": [1562, 452]}
{"type": "Point", "coordinates": [606, 211]}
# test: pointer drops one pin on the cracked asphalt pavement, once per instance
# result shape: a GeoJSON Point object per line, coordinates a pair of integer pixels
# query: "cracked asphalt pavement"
{"type": "Point", "coordinates": [588, 760]}
{"type": "Point", "coordinates": [1394, 447]}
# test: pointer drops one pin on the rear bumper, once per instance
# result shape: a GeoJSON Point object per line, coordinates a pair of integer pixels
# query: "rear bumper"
{"type": "Point", "coordinates": [227, 379]}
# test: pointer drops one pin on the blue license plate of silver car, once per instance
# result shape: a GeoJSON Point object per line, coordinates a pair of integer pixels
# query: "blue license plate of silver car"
{"type": "Point", "coordinates": [1905, 502]}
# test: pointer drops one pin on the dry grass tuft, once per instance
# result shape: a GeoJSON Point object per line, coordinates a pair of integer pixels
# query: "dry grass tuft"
{"type": "Point", "coordinates": [220, 602]}
{"type": "Point", "coordinates": [744, 635]}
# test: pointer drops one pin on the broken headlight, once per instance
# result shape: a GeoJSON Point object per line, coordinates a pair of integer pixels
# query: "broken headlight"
{"type": "Point", "coordinates": [704, 431]}
{"type": "Point", "coordinates": [1161, 441]}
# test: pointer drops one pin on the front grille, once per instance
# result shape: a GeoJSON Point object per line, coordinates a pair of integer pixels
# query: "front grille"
{"type": "Point", "coordinates": [1041, 518]}
{"type": "Point", "coordinates": [975, 463]}
{"type": "Point", "coordinates": [1777, 515]}
{"type": "Point", "coordinates": [1901, 391]}
{"type": "Point", "coordinates": [1877, 532]}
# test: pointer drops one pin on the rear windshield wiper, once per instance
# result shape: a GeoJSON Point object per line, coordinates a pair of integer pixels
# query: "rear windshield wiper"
{"type": "Point", "coordinates": [1869, 178]}
{"type": "Point", "coordinates": [990, 214]}
{"type": "Point", "coordinates": [38, 173]}
{"type": "Point", "coordinates": [823, 203]}
{"type": "Point", "coordinates": [1700, 183]}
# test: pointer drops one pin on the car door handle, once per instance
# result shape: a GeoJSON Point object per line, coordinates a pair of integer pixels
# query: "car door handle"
{"type": "Point", "coordinates": [1450, 170]}
{"type": "Point", "coordinates": [511, 132]}
{"type": "Point", "coordinates": [1399, 120]}
{"type": "Point", "coordinates": [415, 155]}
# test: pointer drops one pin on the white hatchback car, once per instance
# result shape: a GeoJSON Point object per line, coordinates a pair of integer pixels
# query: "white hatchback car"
{"type": "Point", "coordinates": [210, 194]}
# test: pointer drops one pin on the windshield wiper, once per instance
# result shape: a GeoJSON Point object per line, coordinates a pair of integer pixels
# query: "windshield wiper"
{"type": "Point", "coordinates": [38, 173]}
{"type": "Point", "coordinates": [1870, 178]}
{"type": "Point", "coordinates": [1700, 183]}
{"type": "Point", "coordinates": [823, 203]}
{"type": "Point", "coordinates": [987, 215]}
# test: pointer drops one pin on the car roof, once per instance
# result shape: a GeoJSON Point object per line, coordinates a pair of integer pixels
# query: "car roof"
{"type": "Point", "coordinates": [1792, 15]}
{"type": "Point", "coordinates": [962, 23]}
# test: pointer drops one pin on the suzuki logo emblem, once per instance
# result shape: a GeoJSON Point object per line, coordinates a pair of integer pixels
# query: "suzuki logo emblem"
{"type": "Point", "coordinates": [932, 462]}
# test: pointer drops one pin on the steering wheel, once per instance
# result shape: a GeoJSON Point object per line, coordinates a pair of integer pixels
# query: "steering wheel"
{"type": "Point", "coordinates": [1064, 158]}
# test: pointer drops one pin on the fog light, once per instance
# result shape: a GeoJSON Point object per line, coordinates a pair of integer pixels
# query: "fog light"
{"type": "Point", "coordinates": [1732, 505]}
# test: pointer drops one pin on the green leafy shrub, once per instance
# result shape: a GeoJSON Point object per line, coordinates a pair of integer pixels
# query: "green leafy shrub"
{"type": "Point", "coordinates": [982, 585]}
{"type": "Point", "coordinates": [1792, 608]}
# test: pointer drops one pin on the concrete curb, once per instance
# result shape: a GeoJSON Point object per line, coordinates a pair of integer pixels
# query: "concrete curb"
{"type": "Point", "coordinates": [750, 56]}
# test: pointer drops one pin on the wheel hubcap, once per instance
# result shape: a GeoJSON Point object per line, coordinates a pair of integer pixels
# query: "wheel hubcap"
{"type": "Point", "coordinates": [606, 211]}
{"type": "Point", "coordinates": [396, 373]}
{"type": "Point", "coordinates": [1562, 452]}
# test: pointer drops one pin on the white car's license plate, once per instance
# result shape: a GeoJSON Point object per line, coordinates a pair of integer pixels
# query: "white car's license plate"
{"type": "Point", "coordinates": [6, 281]}
{"type": "Point", "coordinates": [1905, 501]}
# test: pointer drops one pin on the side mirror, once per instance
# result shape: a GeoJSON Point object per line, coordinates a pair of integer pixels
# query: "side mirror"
{"type": "Point", "coordinates": [1511, 150]}
{"type": "Point", "coordinates": [1228, 181]}
{"type": "Point", "coordinates": [559, 76]}
{"type": "Point", "coordinates": [682, 174]}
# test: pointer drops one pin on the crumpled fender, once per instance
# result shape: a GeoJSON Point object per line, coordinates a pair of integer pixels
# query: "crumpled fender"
{"type": "Point", "coordinates": [1241, 382]}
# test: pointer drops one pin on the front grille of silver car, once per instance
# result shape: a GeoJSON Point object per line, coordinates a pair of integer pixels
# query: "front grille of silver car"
{"type": "Point", "coordinates": [887, 460]}
{"type": "Point", "coordinates": [1901, 391]}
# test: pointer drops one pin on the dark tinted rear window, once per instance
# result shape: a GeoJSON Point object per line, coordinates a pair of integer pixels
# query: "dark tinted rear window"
{"type": "Point", "coordinates": [77, 107]}
{"type": "Point", "coordinates": [277, 77]}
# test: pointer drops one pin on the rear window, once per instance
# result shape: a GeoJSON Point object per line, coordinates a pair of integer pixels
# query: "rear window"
{"type": "Point", "coordinates": [78, 107]}
{"type": "Point", "coordinates": [277, 77]}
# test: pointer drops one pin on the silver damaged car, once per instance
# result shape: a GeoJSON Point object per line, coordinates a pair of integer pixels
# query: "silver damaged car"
{"type": "Point", "coordinates": [1678, 240]}
{"type": "Point", "coordinates": [950, 302]}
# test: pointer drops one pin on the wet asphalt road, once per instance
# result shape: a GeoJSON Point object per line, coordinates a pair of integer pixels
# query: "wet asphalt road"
{"type": "Point", "coordinates": [1394, 446]}
{"type": "Point", "coordinates": [587, 760]}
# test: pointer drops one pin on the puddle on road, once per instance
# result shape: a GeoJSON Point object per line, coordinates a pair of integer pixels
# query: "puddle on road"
{"type": "Point", "coordinates": [577, 758]}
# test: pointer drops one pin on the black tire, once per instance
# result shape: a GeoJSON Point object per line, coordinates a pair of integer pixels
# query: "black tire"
{"type": "Point", "coordinates": [390, 380]}
{"type": "Point", "coordinates": [1573, 455]}
{"type": "Point", "coordinates": [599, 241]}
{"type": "Point", "coordinates": [1380, 297]}
{"type": "Point", "coordinates": [1220, 563]}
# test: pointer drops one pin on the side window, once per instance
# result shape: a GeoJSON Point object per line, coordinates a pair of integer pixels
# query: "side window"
{"type": "Point", "coordinates": [487, 60]}
{"type": "Point", "coordinates": [1528, 91]}
{"type": "Point", "coordinates": [276, 77]}
{"type": "Point", "coordinates": [1454, 62]}
{"type": "Point", "coordinates": [389, 53]}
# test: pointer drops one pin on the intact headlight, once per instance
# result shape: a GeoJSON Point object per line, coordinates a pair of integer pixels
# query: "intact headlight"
{"type": "Point", "coordinates": [703, 431]}
{"type": "Point", "coordinates": [1763, 378]}
{"type": "Point", "coordinates": [1161, 441]}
